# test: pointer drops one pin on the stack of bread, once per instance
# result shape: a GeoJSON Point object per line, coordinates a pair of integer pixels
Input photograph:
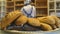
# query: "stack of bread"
{"type": "Point", "coordinates": [47, 23]}
{"type": "Point", "coordinates": [53, 21]}
{"type": "Point", "coordinates": [9, 18]}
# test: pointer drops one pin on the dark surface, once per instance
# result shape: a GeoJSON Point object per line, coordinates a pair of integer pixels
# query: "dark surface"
{"type": "Point", "coordinates": [25, 27]}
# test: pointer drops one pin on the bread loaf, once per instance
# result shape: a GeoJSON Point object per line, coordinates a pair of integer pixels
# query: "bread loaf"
{"type": "Point", "coordinates": [47, 20]}
{"type": "Point", "coordinates": [57, 21]}
{"type": "Point", "coordinates": [34, 22]}
{"type": "Point", "coordinates": [46, 27]}
{"type": "Point", "coordinates": [6, 21]}
{"type": "Point", "coordinates": [21, 20]}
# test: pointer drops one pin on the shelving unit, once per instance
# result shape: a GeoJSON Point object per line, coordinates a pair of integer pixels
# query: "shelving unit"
{"type": "Point", "coordinates": [12, 5]}
{"type": "Point", "coordinates": [9, 5]}
{"type": "Point", "coordinates": [18, 4]}
{"type": "Point", "coordinates": [2, 9]}
{"type": "Point", "coordinates": [41, 6]}
{"type": "Point", "coordinates": [54, 7]}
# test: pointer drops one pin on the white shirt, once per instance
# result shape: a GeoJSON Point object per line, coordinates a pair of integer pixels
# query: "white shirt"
{"type": "Point", "coordinates": [28, 10]}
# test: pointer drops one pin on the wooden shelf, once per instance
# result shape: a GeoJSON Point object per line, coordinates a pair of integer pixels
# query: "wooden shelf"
{"type": "Point", "coordinates": [19, 4]}
{"type": "Point", "coordinates": [51, 1]}
{"type": "Point", "coordinates": [57, 9]}
{"type": "Point", "coordinates": [54, 7]}
{"type": "Point", "coordinates": [9, 6]}
{"type": "Point", "coordinates": [57, 1]}
{"type": "Point", "coordinates": [19, 0]}
{"type": "Point", "coordinates": [41, 0]}
{"type": "Point", "coordinates": [42, 15]}
{"type": "Point", "coordinates": [42, 7]}
{"type": "Point", "coordinates": [2, 6]}
{"type": "Point", "coordinates": [9, 1]}
{"type": "Point", "coordinates": [51, 9]}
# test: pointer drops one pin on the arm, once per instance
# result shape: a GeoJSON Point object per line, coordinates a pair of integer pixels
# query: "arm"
{"type": "Point", "coordinates": [34, 12]}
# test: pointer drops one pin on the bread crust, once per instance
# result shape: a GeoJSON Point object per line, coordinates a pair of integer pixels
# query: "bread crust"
{"type": "Point", "coordinates": [21, 20]}
{"type": "Point", "coordinates": [34, 22]}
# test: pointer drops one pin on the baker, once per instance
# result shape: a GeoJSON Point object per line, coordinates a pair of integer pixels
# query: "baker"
{"type": "Point", "coordinates": [28, 10]}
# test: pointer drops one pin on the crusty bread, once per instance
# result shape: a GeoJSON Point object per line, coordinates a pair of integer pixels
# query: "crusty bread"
{"type": "Point", "coordinates": [57, 20]}
{"type": "Point", "coordinates": [34, 22]}
{"type": "Point", "coordinates": [6, 21]}
{"type": "Point", "coordinates": [45, 27]}
{"type": "Point", "coordinates": [47, 20]}
{"type": "Point", "coordinates": [21, 20]}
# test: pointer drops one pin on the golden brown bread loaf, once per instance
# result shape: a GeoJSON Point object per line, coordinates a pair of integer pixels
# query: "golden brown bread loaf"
{"type": "Point", "coordinates": [47, 20]}
{"type": "Point", "coordinates": [57, 20]}
{"type": "Point", "coordinates": [34, 22]}
{"type": "Point", "coordinates": [53, 21]}
{"type": "Point", "coordinates": [46, 27]}
{"type": "Point", "coordinates": [21, 20]}
{"type": "Point", "coordinates": [6, 21]}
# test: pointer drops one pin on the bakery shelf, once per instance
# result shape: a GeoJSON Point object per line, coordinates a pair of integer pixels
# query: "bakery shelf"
{"type": "Point", "coordinates": [51, 9]}
{"type": "Point", "coordinates": [19, 4]}
{"type": "Point", "coordinates": [42, 7]}
{"type": "Point", "coordinates": [19, 0]}
{"type": "Point", "coordinates": [51, 1]}
{"type": "Point", "coordinates": [41, 15]}
{"type": "Point", "coordinates": [57, 9]}
{"type": "Point", "coordinates": [52, 12]}
{"type": "Point", "coordinates": [58, 13]}
{"type": "Point", "coordinates": [10, 9]}
{"type": "Point", "coordinates": [51, 5]}
{"type": "Point", "coordinates": [10, 0]}
{"type": "Point", "coordinates": [41, 0]}
{"type": "Point", "coordinates": [9, 6]}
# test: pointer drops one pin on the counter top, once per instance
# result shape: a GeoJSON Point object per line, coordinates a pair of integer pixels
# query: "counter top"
{"type": "Point", "coordinates": [30, 32]}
